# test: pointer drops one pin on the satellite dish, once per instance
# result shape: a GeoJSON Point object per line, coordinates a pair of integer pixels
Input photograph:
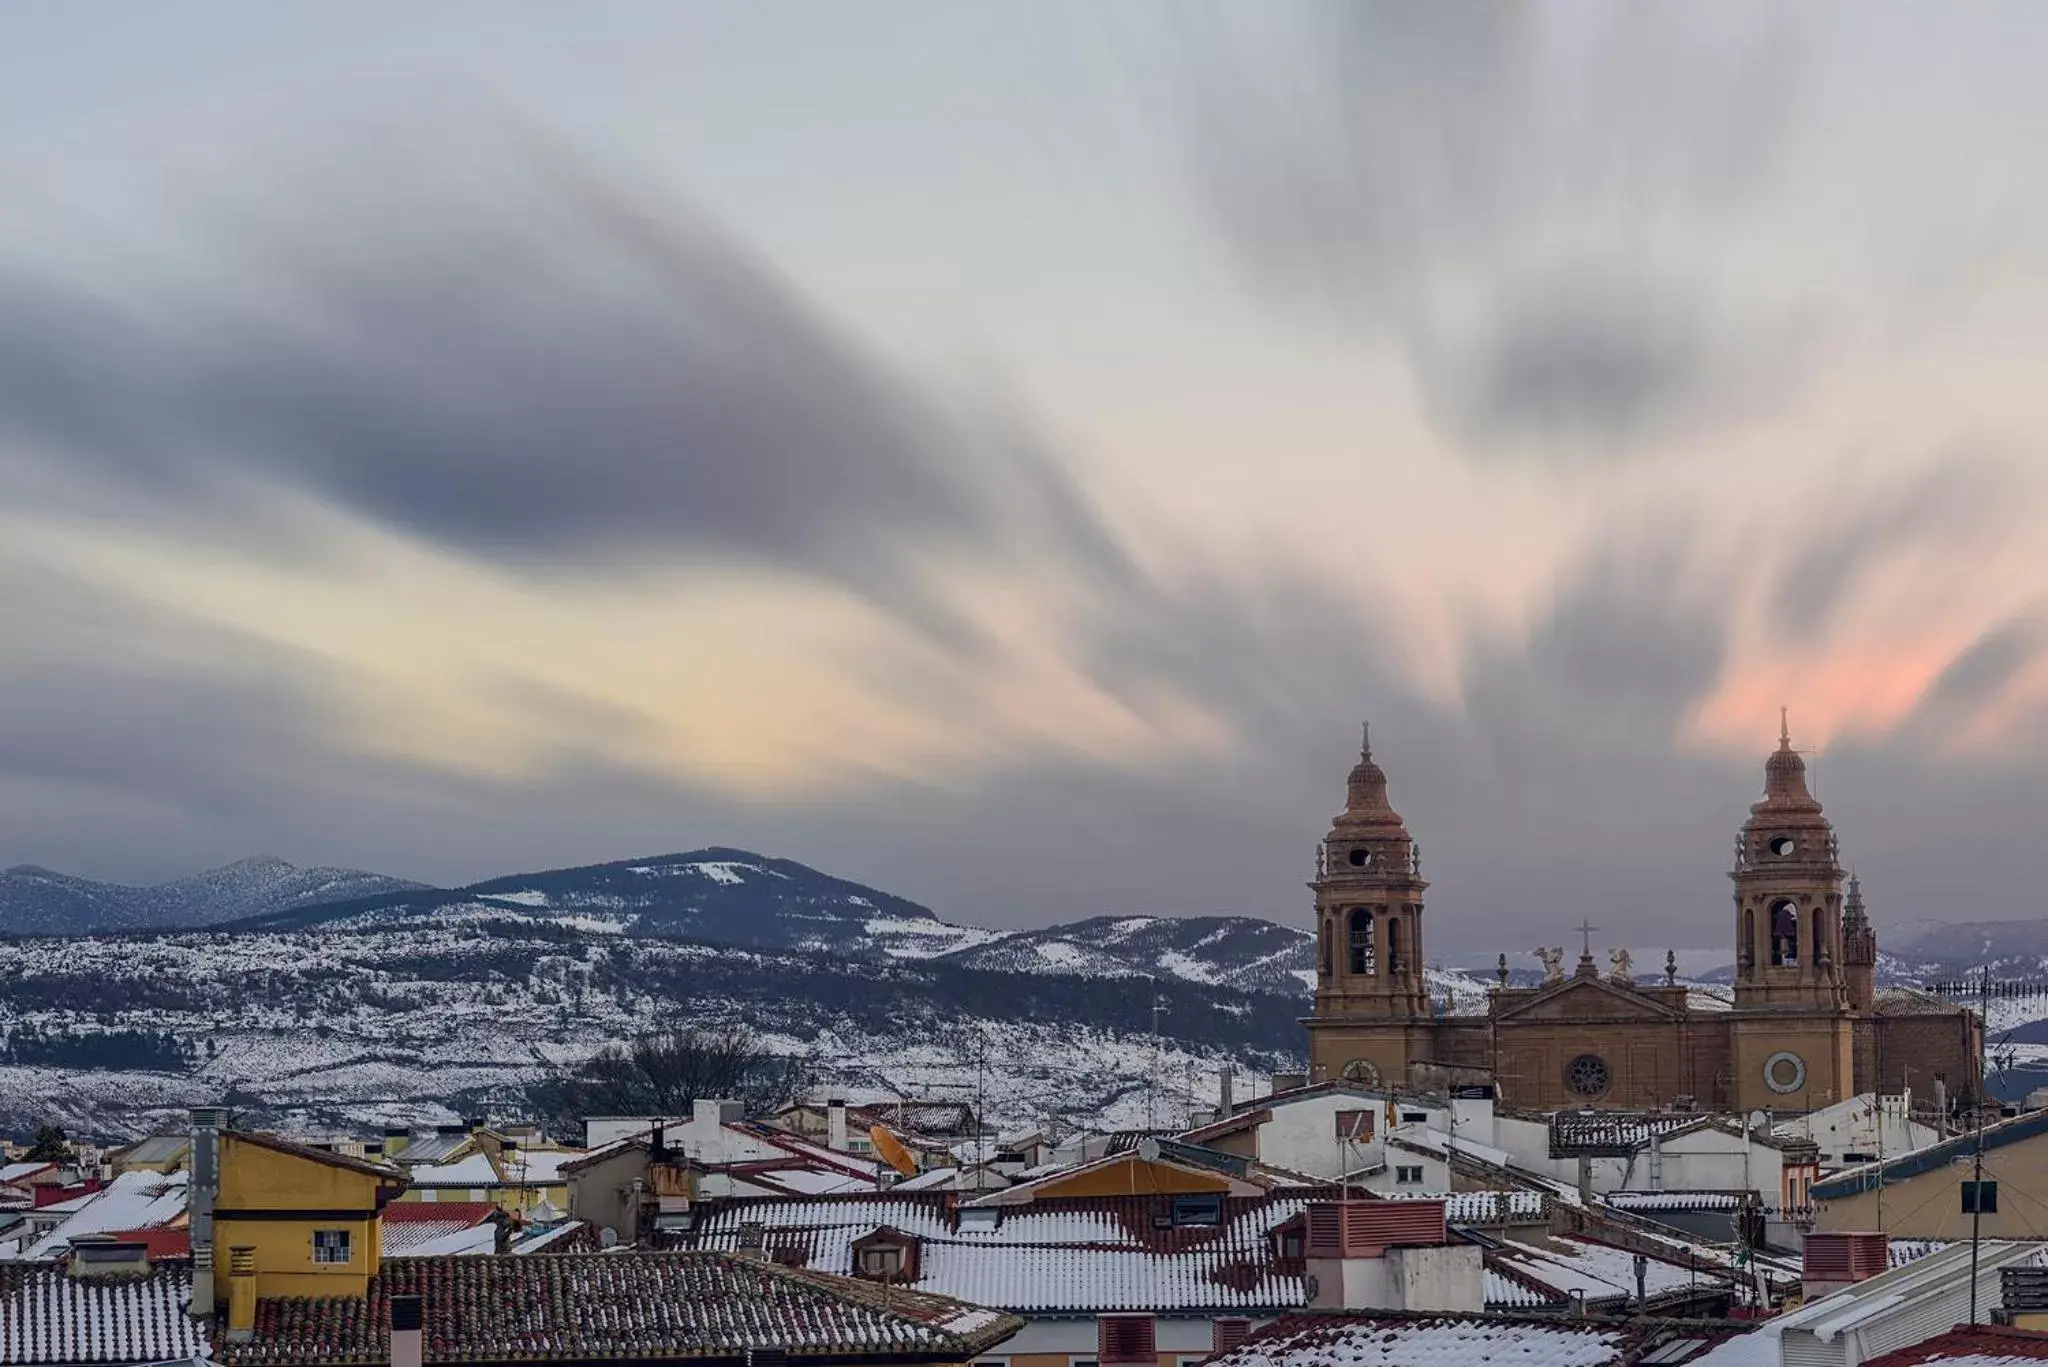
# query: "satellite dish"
{"type": "Point", "coordinates": [1148, 1150]}
{"type": "Point", "coordinates": [1758, 1119]}
{"type": "Point", "coordinates": [608, 1237]}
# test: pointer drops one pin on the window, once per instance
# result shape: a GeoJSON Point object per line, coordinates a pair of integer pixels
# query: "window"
{"type": "Point", "coordinates": [1414, 1117]}
{"type": "Point", "coordinates": [1407, 1176]}
{"type": "Point", "coordinates": [1588, 1075]}
{"type": "Point", "coordinates": [1785, 932]}
{"type": "Point", "coordinates": [330, 1246]}
{"type": "Point", "coordinates": [1197, 1210]}
{"type": "Point", "coordinates": [1355, 1127]}
{"type": "Point", "coordinates": [883, 1260]}
{"type": "Point", "coordinates": [1289, 1244]}
{"type": "Point", "coordinates": [1361, 940]}
{"type": "Point", "coordinates": [1980, 1198]}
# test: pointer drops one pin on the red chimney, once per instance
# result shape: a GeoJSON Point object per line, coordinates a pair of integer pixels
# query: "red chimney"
{"type": "Point", "coordinates": [1835, 1259]}
{"type": "Point", "coordinates": [1228, 1334]}
{"type": "Point", "coordinates": [1126, 1341]}
{"type": "Point", "coordinates": [1367, 1229]}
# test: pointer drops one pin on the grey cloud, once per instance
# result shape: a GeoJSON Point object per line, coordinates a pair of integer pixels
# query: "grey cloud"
{"type": "Point", "coordinates": [1528, 204]}
{"type": "Point", "coordinates": [522, 359]}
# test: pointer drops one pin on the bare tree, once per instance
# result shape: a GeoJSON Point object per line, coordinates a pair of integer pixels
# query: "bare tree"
{"type": "Point", "coordinates": [666, 1072]}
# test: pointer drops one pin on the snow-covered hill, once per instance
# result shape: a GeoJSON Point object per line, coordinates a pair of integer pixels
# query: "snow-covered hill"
{"type": "Point", "coordinates": [37, 901]}
{"type": "Point", "coordinates": [423, 1018]}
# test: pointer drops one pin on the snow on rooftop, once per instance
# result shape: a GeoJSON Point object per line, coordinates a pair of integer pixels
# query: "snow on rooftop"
{"type": "Point", "coordinates": [134, 1200]}
{"type": "Point", "coordinates": [1447, 1342]}
{"type": "Point", "coordinates": [47, 1317]}
{"type": "Point", "coordinates": [474, 1170]}
{"type": "Point", "coordinates": [1596, 1271]}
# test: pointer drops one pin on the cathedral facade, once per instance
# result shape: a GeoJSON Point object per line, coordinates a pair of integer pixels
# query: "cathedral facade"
{"type": "Point", "coordinates": [1807, 1027]}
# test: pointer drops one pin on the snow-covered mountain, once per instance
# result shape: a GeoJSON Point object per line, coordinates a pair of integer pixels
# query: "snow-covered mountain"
{"type": "Point", "coordinates": [37, 901]}
{"type": "Point", "coordinates": [740, 898]}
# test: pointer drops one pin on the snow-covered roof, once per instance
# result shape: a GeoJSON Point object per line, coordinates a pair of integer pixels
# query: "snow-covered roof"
{"type": "Point", "coordinates": [1447, 1341]}
{"type": "Point", "coordinates": [472, 1170]}
{"type": "Point", "coordinates": [1596, 1271]}
{"type": "Point", "coordinates": [47, 1317]}
{"type": "Point", "coordinates": [1069, 1255]}
{"type": "Point", "coordinates": [415, 1227]}
{"type": "Point", "coordinates": [578, 1307]}
{"type": "Point", "coordinates": [134, 1200]}
{"type": "Point", "coordinates": [1674, 1200]}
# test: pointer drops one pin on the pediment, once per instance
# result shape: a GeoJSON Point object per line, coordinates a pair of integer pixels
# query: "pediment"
{"type": "Point", "coordinates": [1589, 999]}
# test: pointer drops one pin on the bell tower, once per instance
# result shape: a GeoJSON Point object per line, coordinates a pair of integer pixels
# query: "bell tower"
{"type": "Point", "coordinates": [1372, 1014]}
{"type": "Point", "coordinates": [1793, 1042]}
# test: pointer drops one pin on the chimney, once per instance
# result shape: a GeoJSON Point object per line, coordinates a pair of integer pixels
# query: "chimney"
{"type": "Point", "coordinates": [1835, 1259]}
{"type": "Point", "coordinates": [202, 1184]}
{"type": "Point", "coordinates": [835, 1124]}
{"type": "Point", "coordinates": [1389, 1255]}
{"type": "Point", "coordinates": [1287, 1082]}
{"type": "Point", "coordinates": [1126, 1341]}
{"type": "Point", "coordinates": [241, 1294]}
{"type": "Point", "coordinates": [1227, 1334]}
{"type": "Point", "coordinates": [1226, 1080]}
{"type": "Point", "coordinates": [406, 1350]}
{"type": "Point", "coordinates": [657, 1143]}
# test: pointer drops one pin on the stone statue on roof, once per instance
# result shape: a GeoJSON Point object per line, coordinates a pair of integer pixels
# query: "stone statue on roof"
{"type": "Point", "coordinates": [1553, 964]}
{"type": "Point", "coordinates": [1619, 964]}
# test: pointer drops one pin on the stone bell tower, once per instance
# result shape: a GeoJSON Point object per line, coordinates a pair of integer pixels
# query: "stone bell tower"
{"type": "Point", "coordinates": [1792, 1039]}
{"type": "Point", "coordinates": [1372, 1015]}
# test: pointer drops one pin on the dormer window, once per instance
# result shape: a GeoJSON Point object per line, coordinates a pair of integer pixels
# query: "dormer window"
{"type": "Point", "coordinates": [887, 1255]}
{"type": "Point", "coordinates": [1197, 1210]}
{"type": "Point", "coordinates": [1290, 1241]}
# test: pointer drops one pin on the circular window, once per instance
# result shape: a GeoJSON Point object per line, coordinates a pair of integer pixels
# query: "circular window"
{"type": "Point", "coordinates": [1360, 858]}
{"type": "Point", "coordinates": [1783, 846]}
{"type": "Point", "coordinates": [1587, 1075]}
{"type": "Point", "coordinates": [1784, 1072]}
{"type": "Point", "coordinates": [1362, 1072]}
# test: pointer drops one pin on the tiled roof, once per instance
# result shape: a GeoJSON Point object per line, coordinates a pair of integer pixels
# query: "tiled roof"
{"type": "Point", "coordinates": [313, 1155]}
{"type": "Point", "coordinates": [1674, 1200]}
{"type": "Point", "coordinates": [411, 1227]}
{"type": "Point", "coordinates": [47, 1317]}
{"type": "Point", "coordinates": [429, 1148]}
{"type": "Point", "coordinates": [157, 1148]}
{"type": "Point", "coordinates": [1427, 1341]}
{"type": "Point", "coordinates": [1899, 1252]}
{"type": "Point", "coordinates": [1599, 1272]}
{"type": "Point", "coordinates": [631, 1306]}
{"type": "Point", "coordinates": [21, 1172]}
{"type": "Point", "coordinates": [1087, 1254]}
{"type": "Point", "coordinates": [1973, 1345]}
{"type": "Point", "coordinates": [471, 1170]}
{"type": "Point", "coordinates": [134, 1200]}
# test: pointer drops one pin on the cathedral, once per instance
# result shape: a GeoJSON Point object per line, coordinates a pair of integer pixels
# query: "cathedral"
{"type": "Point", "coordinates": [1808, 1025]}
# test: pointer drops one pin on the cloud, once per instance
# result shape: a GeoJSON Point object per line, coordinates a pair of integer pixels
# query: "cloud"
{"type": "Point", "coordinates": [1953, 504]}
{"type": "Point", "coordinates": [516, 355]}
{"type": "Point", "coordinates": [1544, 210]}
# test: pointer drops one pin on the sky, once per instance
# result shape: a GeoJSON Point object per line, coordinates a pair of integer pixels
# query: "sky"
{"type": "Point", "coordinates": [1001, 452]}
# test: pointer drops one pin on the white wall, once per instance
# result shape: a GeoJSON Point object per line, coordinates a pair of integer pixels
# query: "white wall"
{"type": "Point", "coordinates": [1865, 1124]}
{"type": "Point", "coordinates": [1302, 1135]}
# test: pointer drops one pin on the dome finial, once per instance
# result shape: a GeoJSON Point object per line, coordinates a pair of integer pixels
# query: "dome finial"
{"type": "Point", "coordinates": [1784, 728]}
{"type": "Point", "coordinates": [1365, 741]}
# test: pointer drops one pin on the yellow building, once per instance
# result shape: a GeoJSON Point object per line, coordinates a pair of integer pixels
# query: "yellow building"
{"type": "Point", "coordinates": [522, 1181]}
{"type": "Point", "coordinates": [294, 1221]}
{"type": "Point", "coordinates": [1936, 1192]}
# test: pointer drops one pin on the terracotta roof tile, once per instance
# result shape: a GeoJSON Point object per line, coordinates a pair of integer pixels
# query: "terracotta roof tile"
{"type": "Point", "coordinates": [622, 1306]}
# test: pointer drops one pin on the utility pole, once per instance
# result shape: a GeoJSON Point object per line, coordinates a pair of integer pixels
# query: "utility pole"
{"type": "Point", "coordinates": [1977, 1159]}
